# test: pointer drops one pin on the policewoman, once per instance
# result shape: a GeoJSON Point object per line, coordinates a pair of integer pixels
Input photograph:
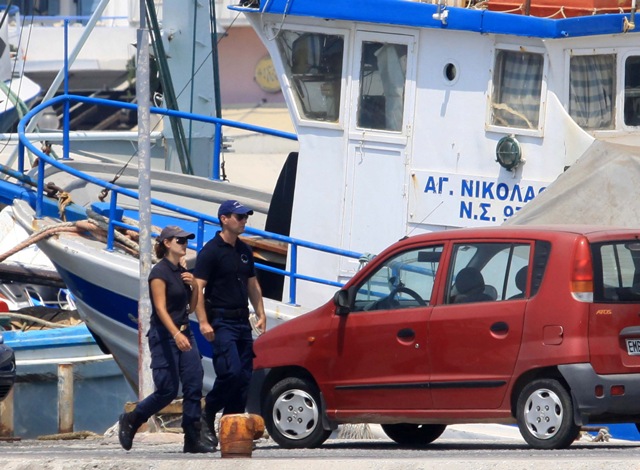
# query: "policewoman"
{"type": "Point", "coordinates": [225, 272]}
{"type": "Point", "coordinates": [175, 357]}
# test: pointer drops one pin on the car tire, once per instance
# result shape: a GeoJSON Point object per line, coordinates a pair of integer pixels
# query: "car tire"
{"type": "Point", "coordinates": [293, 414]}
{"type": "Point", "coordinates": [413, 435]}
{"type": "Point", "coordinates": [545, 415]}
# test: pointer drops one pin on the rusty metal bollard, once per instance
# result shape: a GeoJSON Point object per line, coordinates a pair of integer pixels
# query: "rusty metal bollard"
{"type": "Point", "coordinates": [237, 433]}
{"type": "Point", "coordinates": [6, 416]}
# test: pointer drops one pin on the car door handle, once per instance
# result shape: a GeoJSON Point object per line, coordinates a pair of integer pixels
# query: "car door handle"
{"type": "Point", "coordinates": [500, 328]}
{"type": "Point", "coordinates": [406, 333]}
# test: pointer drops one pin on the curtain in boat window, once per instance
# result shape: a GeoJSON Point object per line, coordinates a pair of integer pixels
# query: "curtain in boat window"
{"type": "Point", "coordinates": [517, 89]}
{"type": "Point", "coordinates": [591, 90]}
{"type": "Point", "coordinates": [383, 73]}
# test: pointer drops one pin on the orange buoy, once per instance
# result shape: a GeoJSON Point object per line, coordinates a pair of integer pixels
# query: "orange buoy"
{"type": "Point", "coordinates": [237, 432]}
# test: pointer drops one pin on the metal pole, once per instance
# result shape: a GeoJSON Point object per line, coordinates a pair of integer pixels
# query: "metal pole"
{"type": "Point", "coordinates": [144, 187]}
{"type": "Point", "coordinates": [65, 398]}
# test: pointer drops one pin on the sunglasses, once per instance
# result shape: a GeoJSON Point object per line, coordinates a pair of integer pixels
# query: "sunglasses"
{"type": "Point", "coordinates": [241, 216]}
{"type": "Point", "coordinates": [181, 240]}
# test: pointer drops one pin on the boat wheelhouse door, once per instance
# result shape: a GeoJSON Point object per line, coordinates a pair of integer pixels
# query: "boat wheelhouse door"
{"type": "Point", "coordinates": [379, 135]}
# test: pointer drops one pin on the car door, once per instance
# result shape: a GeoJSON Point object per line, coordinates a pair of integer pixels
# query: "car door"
{"type": "Point", "coordinates": [476, 331]}
{"type": "Point", "coordinates": [614, 326]}
{"type": "Point", "coordinates": [381, 351]}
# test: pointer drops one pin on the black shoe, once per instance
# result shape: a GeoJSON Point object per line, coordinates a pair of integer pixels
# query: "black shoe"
{"type": "Point", "coordinates": [208, 429]}
{"type": "Point", "coordinates": [193, 442]}
{"type": "Point", "coordinates": [128, 426]}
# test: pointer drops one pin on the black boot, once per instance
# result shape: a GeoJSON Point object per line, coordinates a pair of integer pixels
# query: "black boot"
{"type": "Point", "coordinates": [193, 443]}
{"type": "Point", "coordinates": [128, 426]}
{"type": "Point", "coordinates": [208, 433]}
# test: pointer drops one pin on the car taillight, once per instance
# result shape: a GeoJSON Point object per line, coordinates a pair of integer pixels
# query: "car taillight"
{"type": "Point", "coordinates": [582, 275]}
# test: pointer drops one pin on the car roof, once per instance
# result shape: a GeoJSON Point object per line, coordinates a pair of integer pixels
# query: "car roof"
{"type": "Point", "coordinates": [592, 232]}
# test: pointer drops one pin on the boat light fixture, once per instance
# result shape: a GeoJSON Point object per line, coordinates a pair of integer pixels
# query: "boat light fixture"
{"type": "Point", "coordinates": [508, 153]}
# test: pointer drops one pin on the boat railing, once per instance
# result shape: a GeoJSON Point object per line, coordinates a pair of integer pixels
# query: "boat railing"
{"type": "Point", "coordinates": [202, 219]}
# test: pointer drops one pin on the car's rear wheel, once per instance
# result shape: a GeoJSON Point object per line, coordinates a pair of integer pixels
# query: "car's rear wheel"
{"type": "Point", "coordinates": [414, 435]}
{"type": "Point", "coordinates": [293, 414]}
{"type": "Point", "coordinates": [545, 415]}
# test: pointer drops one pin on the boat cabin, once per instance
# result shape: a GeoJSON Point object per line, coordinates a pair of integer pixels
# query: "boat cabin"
{"type": "Point", "coordinates": [414, 117]}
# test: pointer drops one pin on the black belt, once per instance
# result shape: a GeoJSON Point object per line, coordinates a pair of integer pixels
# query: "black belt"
{"type": "Point", "coordinates": [229, 313]}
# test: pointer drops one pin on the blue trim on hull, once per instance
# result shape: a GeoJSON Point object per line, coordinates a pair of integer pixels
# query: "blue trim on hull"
{"type": "Point", "coordinates": [420, 15]}
{"type": "Point", "coordinates": [116, 306]}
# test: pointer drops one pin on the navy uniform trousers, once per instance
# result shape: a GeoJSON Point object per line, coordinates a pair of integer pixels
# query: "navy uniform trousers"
{"type": "Point", "coordinates": [233, 364]}
{"type": "Point", "coordinates": [170, 368]}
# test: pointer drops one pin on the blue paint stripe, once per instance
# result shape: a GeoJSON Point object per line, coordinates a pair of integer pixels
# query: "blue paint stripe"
{"type": "Point", "coordinates": [116, 306]}
{"type": "Point", "coordinates": [37, 339]}
{"type": "Point", "coordinates": [420, 15]}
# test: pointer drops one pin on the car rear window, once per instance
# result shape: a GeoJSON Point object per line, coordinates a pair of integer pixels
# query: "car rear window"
{"type": "Point", "coordinates": [617, 271]}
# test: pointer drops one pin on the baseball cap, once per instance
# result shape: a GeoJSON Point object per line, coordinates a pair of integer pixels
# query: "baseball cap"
{"type": "Point", "coordinates": [233, 207]}
{"type": "Point", "coordinates": [173, 231]}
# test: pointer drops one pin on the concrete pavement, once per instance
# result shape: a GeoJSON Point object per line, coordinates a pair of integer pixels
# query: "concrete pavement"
{"type": "Point", "coordinates": [477, 447]}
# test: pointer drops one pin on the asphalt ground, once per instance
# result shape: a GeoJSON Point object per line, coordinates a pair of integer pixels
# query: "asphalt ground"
{"type": "Point", "coordinates": [476, 447]}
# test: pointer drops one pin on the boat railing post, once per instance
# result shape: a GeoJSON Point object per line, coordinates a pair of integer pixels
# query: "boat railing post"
{"type": "Point", "coordinates": [217, 143]}
{"type": "Point", "coordinates": [65, 398]}
{"type": "Point", "coordinates": [65, 114]}
{"type": "Point", "coordinates": [20, 157]}
{"type": "Point", "coordinates": [6, 415]}
{"type": "Point", "coordinates": [293, 278]}
{"type": "Point", "coordinates": [200, 235]}
{"type": "Point", "coordinates": [40, 194]}
{"type": "Point", "coordinates": [113, 205]}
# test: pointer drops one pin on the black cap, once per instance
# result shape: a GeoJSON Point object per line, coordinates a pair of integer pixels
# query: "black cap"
{"type": "Point", "coordinates": [173, 231]}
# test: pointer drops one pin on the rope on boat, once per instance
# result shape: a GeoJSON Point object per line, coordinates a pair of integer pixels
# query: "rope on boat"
{"type": "Point", "coordinates": [126, 239]}
{"type": "Point", "coordinates": [39, 235]}
{"type": "Point", "coordinates": [22, 316]}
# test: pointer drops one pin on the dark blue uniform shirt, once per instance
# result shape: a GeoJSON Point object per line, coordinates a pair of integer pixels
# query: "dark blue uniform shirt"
{"type": "Point", "coordinates": [177, 292]}
{"type": "Point", "coordinates": [226, 269]}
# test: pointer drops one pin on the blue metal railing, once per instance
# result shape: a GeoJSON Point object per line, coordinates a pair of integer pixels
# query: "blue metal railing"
{"type": "Point", "coordinates": [202, 219]}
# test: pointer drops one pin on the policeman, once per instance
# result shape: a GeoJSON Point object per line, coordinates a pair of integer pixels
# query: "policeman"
{"type": "Point", "coordinates": [174, 354]}
{"type": "Point", "coordinates": [225, 271]}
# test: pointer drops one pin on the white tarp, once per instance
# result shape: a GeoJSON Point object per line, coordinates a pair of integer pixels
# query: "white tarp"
{"type": "Point", "coordinates": [601, 188]}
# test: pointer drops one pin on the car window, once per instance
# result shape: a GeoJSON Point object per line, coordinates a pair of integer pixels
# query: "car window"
{"type": "Point", "coordinates": [402, 281]}
{"type": "Point", "coordinates": [617, 272]}
{"type": "Point", "coordinates": [483, 272]}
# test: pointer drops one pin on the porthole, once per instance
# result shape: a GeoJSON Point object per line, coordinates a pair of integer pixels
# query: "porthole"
{"type": "Point", "coordinates": [450, 72]}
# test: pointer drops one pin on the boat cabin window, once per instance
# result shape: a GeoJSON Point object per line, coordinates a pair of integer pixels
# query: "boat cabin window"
{"type": "Point", "coordinates": [592, 90]}
{"type": "Point", "coordinates": [383, 71]}
{"type": "Point", "coordinates": [313, 64]}
{"type": "Point", "coordinates": [632, 91]}
{"type": "Point", "coordinates": [517, 89]}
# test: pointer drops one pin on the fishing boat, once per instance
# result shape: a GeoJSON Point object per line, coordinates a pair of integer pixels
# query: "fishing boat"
{"type": "Point", "coordinates": [39, 321]}
{"type": "Point", "coordinates": [410, 117]}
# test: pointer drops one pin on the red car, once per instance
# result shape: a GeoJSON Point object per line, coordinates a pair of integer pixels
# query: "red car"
{"type": "Point", "coordinates": [538, 326]}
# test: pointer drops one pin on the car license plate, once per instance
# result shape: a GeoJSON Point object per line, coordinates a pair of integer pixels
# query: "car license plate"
{"type": "Point", "coordinates": [633, 347]}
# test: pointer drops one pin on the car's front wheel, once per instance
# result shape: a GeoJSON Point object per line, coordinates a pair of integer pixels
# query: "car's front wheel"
{"type": "Point", "coordinates": [413, 435]}
{"type": "Point", "coordinates": [545, 415]}
{"type": "Point", "coordinates": [293, 414]}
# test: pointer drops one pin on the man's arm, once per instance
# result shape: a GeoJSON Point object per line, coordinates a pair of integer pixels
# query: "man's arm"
{"type": "Point", "coordinates": [255, 296]}
{"type": "Point", "coordinates": [201, 312]}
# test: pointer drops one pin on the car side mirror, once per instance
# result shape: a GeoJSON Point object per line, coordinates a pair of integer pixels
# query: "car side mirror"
{"type": "Point", "coordinates": [341, 301]}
